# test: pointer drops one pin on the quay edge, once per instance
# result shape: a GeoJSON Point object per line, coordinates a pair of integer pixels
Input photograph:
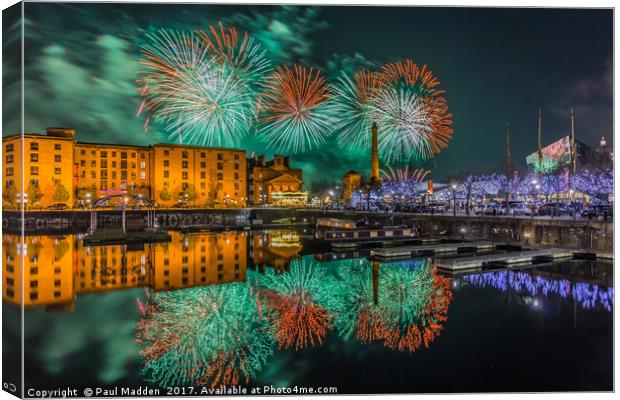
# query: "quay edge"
{"type": "Point", "coordinates": [566, 233]}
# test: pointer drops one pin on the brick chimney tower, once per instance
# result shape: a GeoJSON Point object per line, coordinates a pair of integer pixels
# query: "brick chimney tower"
{"type": "Point", "coordinates": [374, 162]}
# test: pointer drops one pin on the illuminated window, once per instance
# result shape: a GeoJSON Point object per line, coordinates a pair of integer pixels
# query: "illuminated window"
{"type": "Point", "coordinates": [57, 171]}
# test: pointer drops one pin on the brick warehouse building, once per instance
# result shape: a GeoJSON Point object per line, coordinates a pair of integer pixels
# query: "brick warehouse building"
{"type": "Point", "coordinates": [166, 173]}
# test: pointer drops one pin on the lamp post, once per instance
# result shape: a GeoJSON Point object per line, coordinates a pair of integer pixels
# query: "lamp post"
{"type": "Point", "coordinates": [125, 199]}
{"type": "Point", "coordinates": [453, 186]}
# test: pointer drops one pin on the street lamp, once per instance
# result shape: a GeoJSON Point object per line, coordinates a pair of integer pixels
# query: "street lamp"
{"type": "Point", "coordinates": [453, 186]}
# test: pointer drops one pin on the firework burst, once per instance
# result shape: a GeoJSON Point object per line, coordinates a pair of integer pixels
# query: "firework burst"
{"type": "Point", "coordinates": [241, 53]}
{"type": "Point", "coordinates": [355, 107]}
{"type": "Point", "coordinates": [405, 125]}
{"type": "Point", "coordinates": [408, 78]}
{"type": "Point", "coordinates": [198, 99]}
{"type": "Point", "coordinates": [404, 174]}
{"type": "Point", "coordinates": [294, 106]}
{"type": "Point", "coordinates": [405, 102]}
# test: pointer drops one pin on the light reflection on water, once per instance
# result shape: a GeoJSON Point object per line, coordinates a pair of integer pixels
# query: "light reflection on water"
{"type": "Point", "coordinates": [225, 334]}
{"type": "Point", "coordinates": [588, 295]}
{"type": "Point", "coordinates": [235, 308]}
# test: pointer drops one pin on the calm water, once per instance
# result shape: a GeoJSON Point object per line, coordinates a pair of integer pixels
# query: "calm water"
{"type": "Point", "coordinates": [254, 309]}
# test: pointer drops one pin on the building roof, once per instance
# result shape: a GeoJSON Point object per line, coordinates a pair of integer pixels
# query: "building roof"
{"type": "Point", "coordinates": [112, 144]}
{"type": "Point", "coordinates": [284, 175]}
{"type": "Point", "coordinates": [35, 135]}
{"type": "Point", "coordinates": [197, 147]}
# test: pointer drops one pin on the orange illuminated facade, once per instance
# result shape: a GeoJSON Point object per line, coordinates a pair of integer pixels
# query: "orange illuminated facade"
{"type": "Point", "coordinates": [47, 164]}
{"type": "Point", "coordinates": [275, 182]}
{"type": "Point", "coordinates": [166, 173]}
{"type": "Point", "coordinates": [351, 181]}
{"type": "Point", "coordinates": [206, 176]}
{"type": "Point", "coordinates": [57, 269]}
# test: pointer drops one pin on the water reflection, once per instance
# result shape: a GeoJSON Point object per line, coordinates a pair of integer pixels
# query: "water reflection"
{"type": "Point", "coordinates": [58, 268]}
{"type": "Point", "coordinates": [588, 295]}
{"type": "Point", "coordinates": [233, 308]}
{"type": "Point", "coordinates": [225, 334]}
{"type": "Point", "coordinates": [399, 305]}
{"type": "Point", "coordinates": [209, 335]}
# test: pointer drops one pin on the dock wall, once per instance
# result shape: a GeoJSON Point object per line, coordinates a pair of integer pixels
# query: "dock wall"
{"type": "Point", "coordinates": [576, 234]}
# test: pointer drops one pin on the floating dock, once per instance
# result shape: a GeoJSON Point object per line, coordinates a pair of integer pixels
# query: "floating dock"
{"type": "Point", "coordinates": [432, 249]}
{"type": "Point", "coordinates": [503, 260]}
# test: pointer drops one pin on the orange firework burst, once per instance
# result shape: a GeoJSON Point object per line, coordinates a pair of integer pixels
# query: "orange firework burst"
{"type": "Point", "coordinates": [298, 321]}
{"type": "Point", "coordinates": [295, 116]}
{"type": "Point", "coordinates": [226, 46]}
{"type": "Point", "coordinates": [420, 81]}
{"type": "Point", "coordinates": [226, 369]}
{"type": "Point", "coordinates": [368, 84]}
{"type": "Point", "coordinates": [413, 76]}
{"type": "Point", "coordinates": [370, 326]}
{"type": "Point", "coordinates": [433, 315]}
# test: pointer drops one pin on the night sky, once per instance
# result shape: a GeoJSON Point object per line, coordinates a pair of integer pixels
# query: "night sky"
{"type": "Point", "coordinates": [496, 65]}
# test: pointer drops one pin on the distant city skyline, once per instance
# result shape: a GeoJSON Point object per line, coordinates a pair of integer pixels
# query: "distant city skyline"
{"type": "Point", "coordinates": [497, 66]}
